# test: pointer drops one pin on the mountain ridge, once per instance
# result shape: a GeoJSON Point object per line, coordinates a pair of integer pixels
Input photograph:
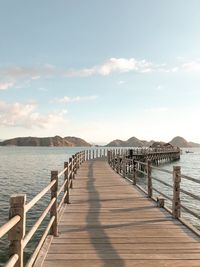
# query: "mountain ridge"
{"type": "Point", "coordinates": [69, 141]}
{"type": "Point", "coordinates": [72, 141]}
{"type": "Point", "coordinates": [135, 142]}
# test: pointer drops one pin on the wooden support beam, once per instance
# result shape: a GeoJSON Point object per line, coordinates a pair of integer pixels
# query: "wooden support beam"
{"type": "Point", "coordinates": [66, 177]}
{"type": "Point", "coordinates": [134, 172]}
{"type": "Point", "coordinates": [54, 210]}
{"type": "Point", "coordinates": [149, 179]}
{"type": "Point", "coordinates": [176, 208]}
{"type": "Point", "coordinates": [17, 233]}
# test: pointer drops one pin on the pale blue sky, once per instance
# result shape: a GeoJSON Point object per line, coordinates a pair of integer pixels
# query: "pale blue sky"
{"type": "Point", "coordinates": [100, 70]}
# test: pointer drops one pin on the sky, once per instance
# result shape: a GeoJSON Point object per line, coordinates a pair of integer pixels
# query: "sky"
{"type": "Point", "coordinates": [100, 70]}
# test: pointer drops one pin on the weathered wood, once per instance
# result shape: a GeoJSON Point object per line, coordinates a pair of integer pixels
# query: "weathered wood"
{"type": "Point", "coordinates": [160, 201]}
{"type": "Point", "coordinates": [124, 166]}
{"type": "Point", "coordinates": [12, 261]}
{"type": "Point", "coordinates": [29, 205]}
{"type": "Point", "coordinates": [134, 173]}
{"type": "Point", "coordinates": [17, 233]}
{"type": "Point", "coordinates": [36, 225]}
{"type": "Point", "coordinates": [41, 242]}
{"type": "Point", "coordinates": [54, 211]}
{"type": "Point", "coordinates": [176, 209]}
{"type": "Point", "coordinates": [73, 167]}
{"type": "Point", "coordinates": [70, 172]}
{"type": "Point", "coordinates": [118, 164]}
{"type": "Point", "coordinates": [111, 223]}
{"type": "Point", "coordinates": [9, 225]}
{"type": "Point", "coordinates": [66, 177]}
{"type": "Point", "coordinates": [149, 179]}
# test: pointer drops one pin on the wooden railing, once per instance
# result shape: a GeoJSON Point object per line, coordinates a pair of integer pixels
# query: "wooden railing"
{"type": "Point", "coordinates": [134, 170]}
{"type": "Point", "coordinates": [16, 226]}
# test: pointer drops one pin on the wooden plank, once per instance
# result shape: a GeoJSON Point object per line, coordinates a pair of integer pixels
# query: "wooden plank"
{"type": "Point", "coordinates": [111, 223]}
{"type": "Point", "coordinates": [124, 263]}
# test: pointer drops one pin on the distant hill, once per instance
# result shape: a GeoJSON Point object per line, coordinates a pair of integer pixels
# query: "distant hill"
{"type": "Point", "coordinates": [68, 141]}
{"type": "Point", "coordinates": [131, 142]}
{"type": "Point", "coordinates": [135, 142]}
{"type": "Point", "coordinates": [181, 142]}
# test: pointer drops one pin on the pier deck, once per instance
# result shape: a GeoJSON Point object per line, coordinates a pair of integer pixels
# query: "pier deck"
{"type": "Point", "coordinates": [111, 223]}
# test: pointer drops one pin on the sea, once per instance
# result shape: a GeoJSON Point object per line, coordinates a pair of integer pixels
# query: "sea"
{"type": "Point", "coordinates": [27, 170]}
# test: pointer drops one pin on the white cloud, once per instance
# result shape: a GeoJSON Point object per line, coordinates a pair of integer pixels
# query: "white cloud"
{"type": "Point", "coordinates": [26, 116]}
{"type": "Point", "coordinates": [113, 65]}
{"type": "Point", "coordinates": [68, 99]}
{"type": "Point", "coordinates": [193, 66]}
{"type": "Point", "coordinates": [33, 72]}
{"type": "Point", "coordinates": [6, 85]}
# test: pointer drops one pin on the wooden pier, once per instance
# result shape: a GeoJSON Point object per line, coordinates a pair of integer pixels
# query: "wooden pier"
{"type": "Point", "coordinates": [103, 219]}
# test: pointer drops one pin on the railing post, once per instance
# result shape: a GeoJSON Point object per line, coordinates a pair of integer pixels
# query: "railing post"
{"type": "Point", "coordinates": [134, 172]}
{"type": "Point", "coordinates": [80, 158]}
{"type": "Point", "coordinates": [149, 178]}
{"type": "Point", "coordinates": [54, 210]}
{"type": "Point", "coordinates": [73, 167]}
{"type": "Point", "coordinates": [176, 208]}
{"type": "Point", "coordinates": [76, 163]}
{"type": "Point", "coordinates": [80, 161]}
{"type": "Point", "coordinates": [111, 156]}
{"type": "Point", "coordinates": [17, 233]}
{"type": "Point", "coordinates": [124, 166]}
{"type": "Point", "coordinates": [108, 157]}
{"type": "Point", "coordinates": [118, 163]}
{"type": "Point", "coordinates": [70, 173]}
{"type": "Point", "coordinates": [66, 177]}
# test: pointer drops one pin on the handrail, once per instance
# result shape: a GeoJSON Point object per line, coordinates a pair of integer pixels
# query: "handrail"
{"type": "Point", "coordinates": [129, 166]}
{"type": "Point", "coordinates": [162, 182]}
{"type": "Point", "coordinates": [161, 193]}
{"type": "Point", "coordinates": [62, 187]}
{"type": "Point", "coordinates": [35, 253]}
{"type": "Point", "coordinates": [12, 261]}
{"type": "Point", "coordinates": [141, 163]}
{"type": "Point", "coordinates": [190, 211]}
{"type": "Point", "coordinates": [190, 178]}
{"type": "Point", "coordinates": [4, 229]}
{"type": "Point", "coordinates": [62, 172]}
{"type": "Point", "coordinates": [62, 201]}
{"type": "Point", "coordinates": [39, 196]}
{"type": "Point", "coordinates": [141, 172]}
{"type": "Point", "coordinates": [53, 207]}
{"type": "Point", "coordinates": [38, 222]}
{"type": "Point", "coordinates": [189, 194]}
{"type": "Point", "coordinates": [161, 170]}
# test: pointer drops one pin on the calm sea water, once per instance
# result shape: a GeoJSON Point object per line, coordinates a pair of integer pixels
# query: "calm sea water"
{"type": "Point", "coordinates": [27, 170]}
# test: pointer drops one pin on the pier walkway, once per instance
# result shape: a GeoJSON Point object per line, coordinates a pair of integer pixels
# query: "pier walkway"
{"type": "Point", "coordinates": [111, 223]}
